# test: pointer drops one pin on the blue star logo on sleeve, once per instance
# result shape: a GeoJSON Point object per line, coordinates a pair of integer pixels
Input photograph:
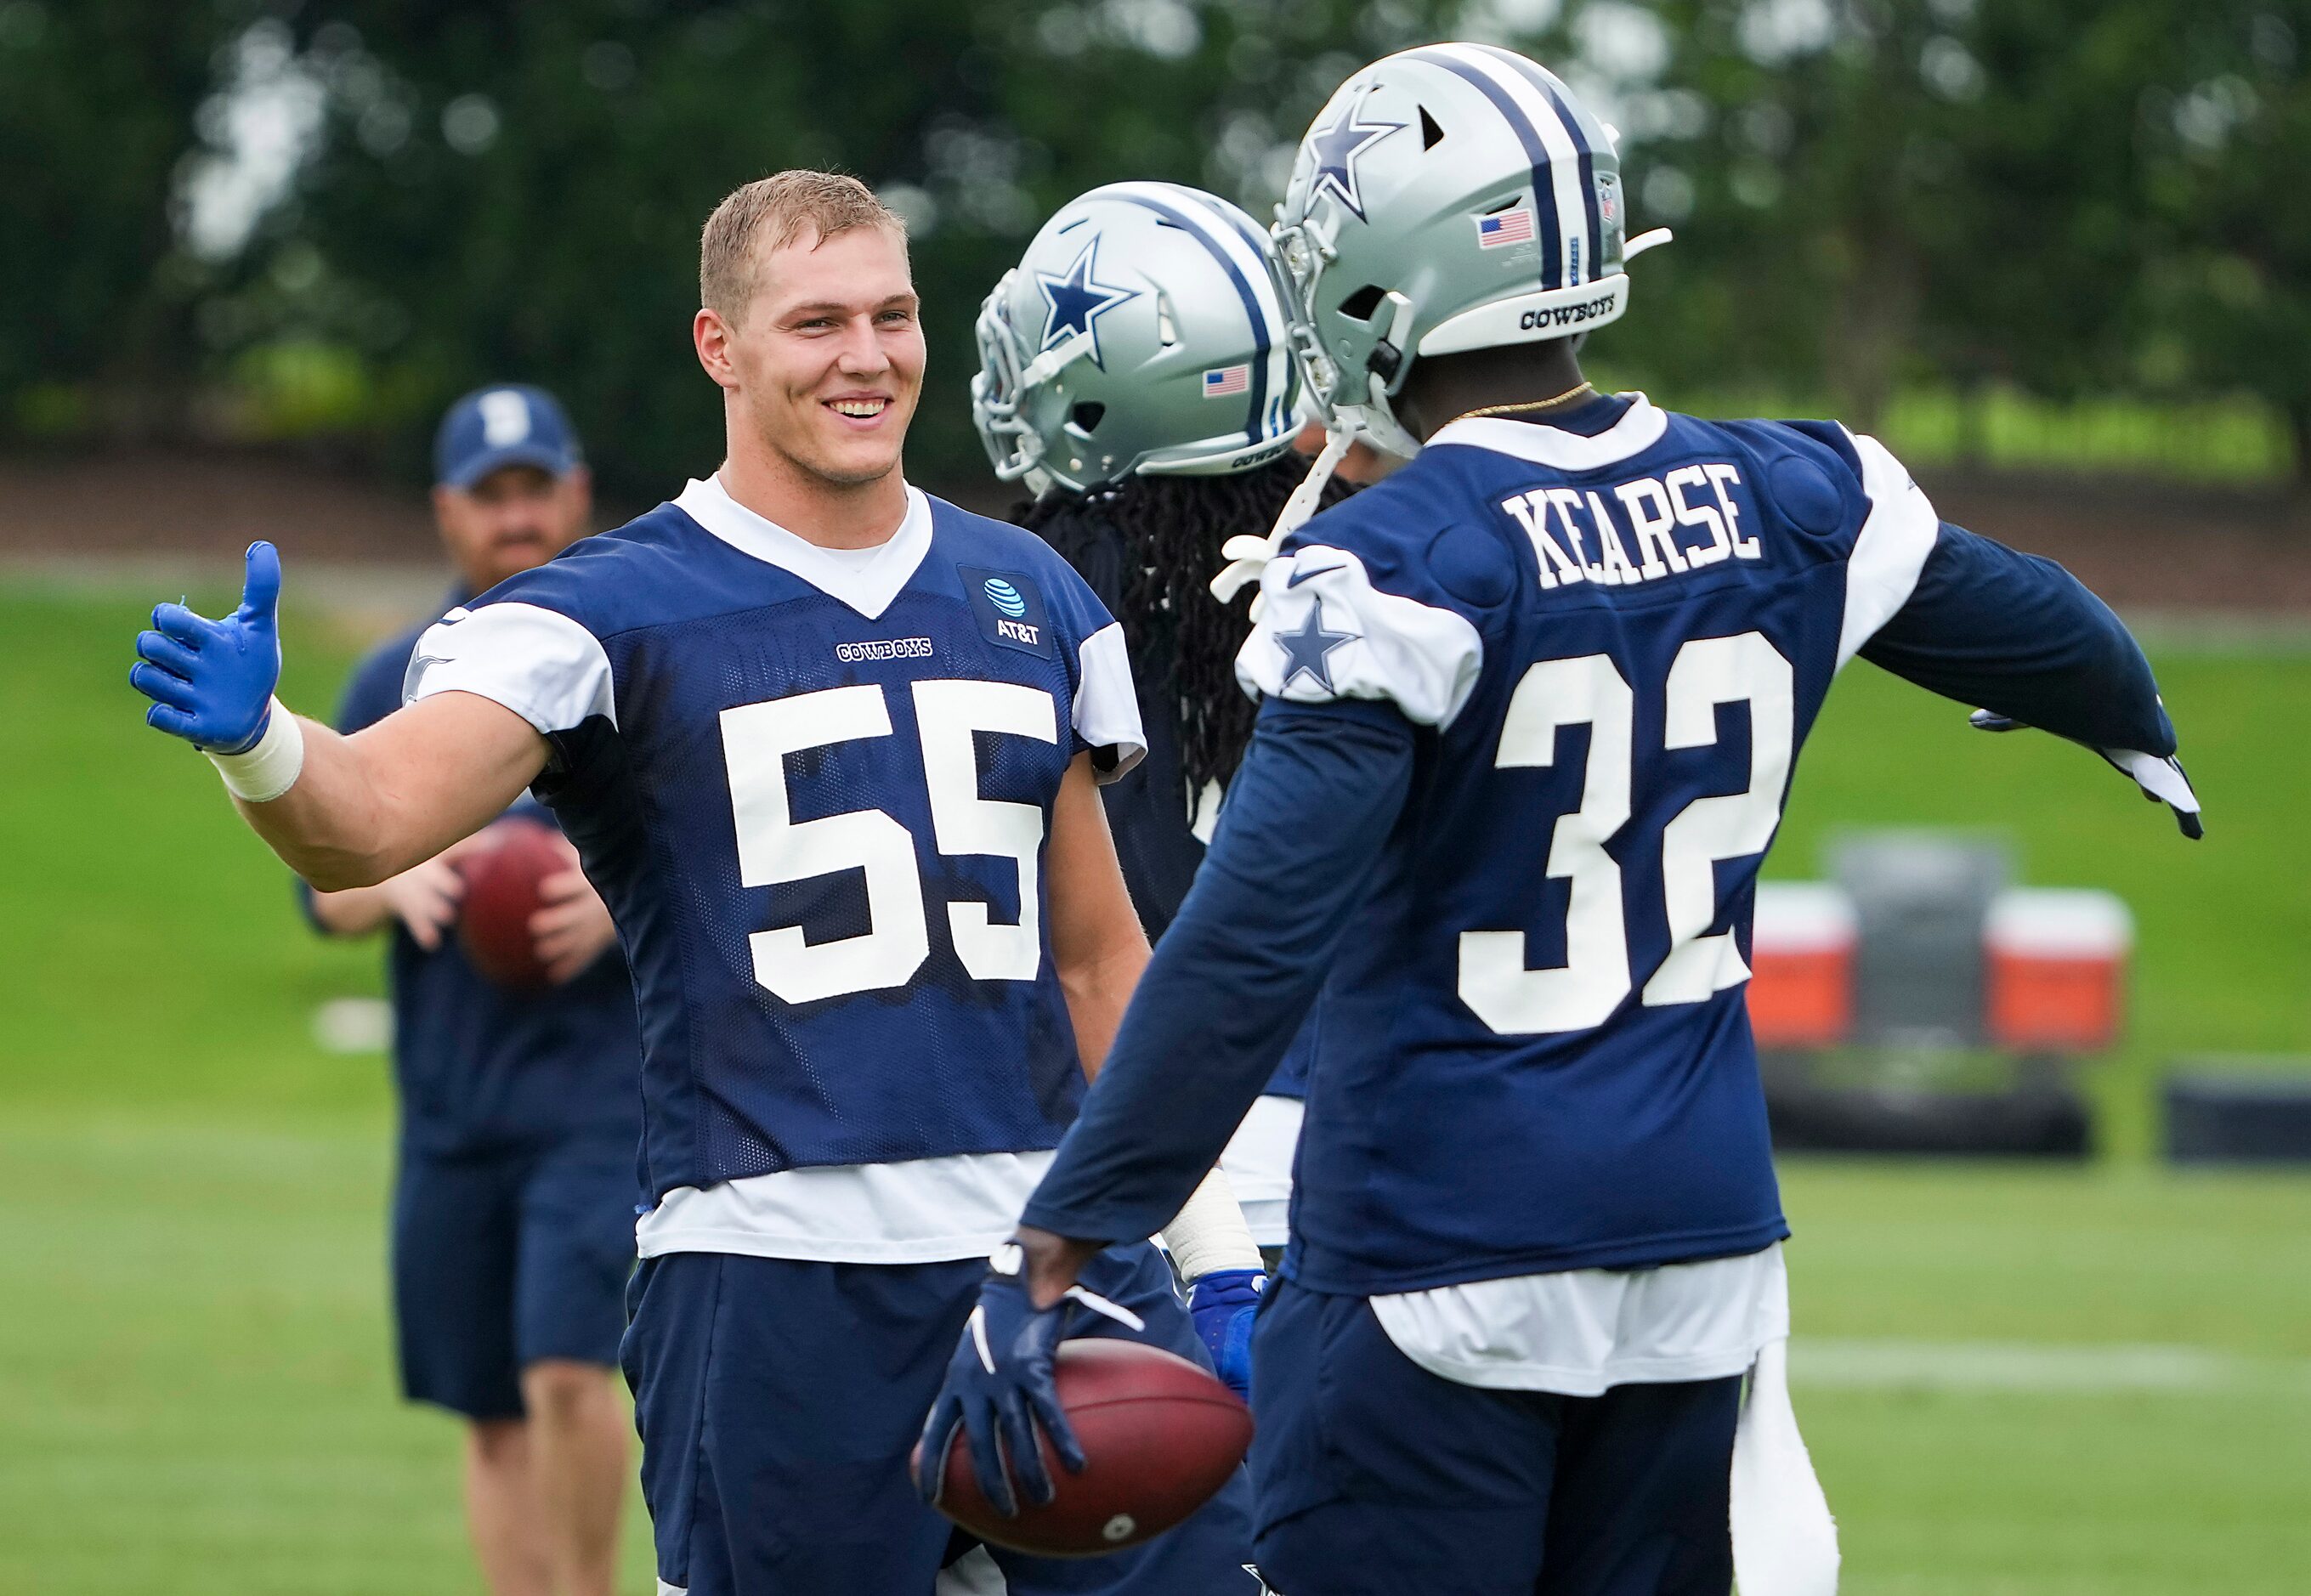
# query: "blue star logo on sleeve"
{"type": "Point", "coordinates": [1309, 650]}
{"type": "Point", "coordinates": [1078, 300]}
{"type": "Point", "coordinates": [1336, 149]}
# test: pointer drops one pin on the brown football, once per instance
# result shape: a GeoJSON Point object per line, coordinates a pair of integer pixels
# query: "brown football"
{"type": "Point", "coordinates": [501, 876]}
{"type": "Point", "coordinates": [1159, 1434]}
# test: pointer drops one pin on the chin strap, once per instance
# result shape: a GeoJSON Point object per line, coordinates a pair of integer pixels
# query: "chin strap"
{"type": "Point", "coordinates": [1248, 555]}
{"type": "Point", "coordinates": [1651, 239]}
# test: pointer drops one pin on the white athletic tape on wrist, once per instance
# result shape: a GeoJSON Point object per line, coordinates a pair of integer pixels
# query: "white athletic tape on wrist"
{"type": "Point", "coordinates": [1209, 1233]}
{"type": "Point", "coordinates": [263, 772]}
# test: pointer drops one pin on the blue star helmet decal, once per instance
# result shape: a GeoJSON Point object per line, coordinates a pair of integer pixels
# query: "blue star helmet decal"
{"type": "Point", "coordinates": [1310, 649]}
{"type": "Point", "coordinates": [1078, 300]}
{"type": "Point", "coordinates": [1336, 149]}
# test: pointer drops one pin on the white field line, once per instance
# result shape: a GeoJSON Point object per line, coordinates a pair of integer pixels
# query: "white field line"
{"type": "Point", "coordinates": [2039, 1367]}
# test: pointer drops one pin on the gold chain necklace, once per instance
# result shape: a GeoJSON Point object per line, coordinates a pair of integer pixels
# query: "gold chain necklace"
{"type": "Point", "coordinates": [1569, 395]}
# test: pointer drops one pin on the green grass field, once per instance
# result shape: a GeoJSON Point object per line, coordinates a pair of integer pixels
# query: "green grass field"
{"type": "Point", "coordinates": [2017, 1382]}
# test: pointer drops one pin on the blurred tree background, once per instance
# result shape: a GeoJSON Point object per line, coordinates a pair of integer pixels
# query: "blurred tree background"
{"type": "Point", "coordinates": [229, 220]}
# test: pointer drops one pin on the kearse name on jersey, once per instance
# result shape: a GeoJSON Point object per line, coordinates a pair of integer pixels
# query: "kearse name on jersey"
{"type": "Point", "coordinates": [1576, 538]}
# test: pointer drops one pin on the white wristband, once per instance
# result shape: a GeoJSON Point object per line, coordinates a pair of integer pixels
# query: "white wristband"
{"type": "Point", "coordinates": [1209, 1233]}
{"type": "Point", "coordinates": [263, 772]}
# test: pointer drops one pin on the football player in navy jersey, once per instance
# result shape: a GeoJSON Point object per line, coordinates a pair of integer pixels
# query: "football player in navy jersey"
{"type": "Point", "coordinates": [513, 1193]}
{"type": "Point", "coordinates": [1530, 709]}
{"type": "Point", "coordinates": [830, 750]}
{"type": "Point", "coordinates": [1145, 452]}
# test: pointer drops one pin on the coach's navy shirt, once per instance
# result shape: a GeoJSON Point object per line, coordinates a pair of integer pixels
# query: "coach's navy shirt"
{"type": "Point", "coordinates": [482, 1067]}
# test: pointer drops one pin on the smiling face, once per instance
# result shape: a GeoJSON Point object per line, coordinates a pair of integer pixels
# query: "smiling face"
{"type": "Point", "coordinates": [826, 362]}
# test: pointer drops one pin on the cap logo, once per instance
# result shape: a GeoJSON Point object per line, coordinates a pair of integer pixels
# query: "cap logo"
{"type": "Point", "coordinates": [505, 417]}
{"type": "Point", "coordinates": [1005, 597]}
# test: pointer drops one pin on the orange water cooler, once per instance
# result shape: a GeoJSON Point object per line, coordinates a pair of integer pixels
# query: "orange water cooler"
{"type": "Point", "coordinates": [2057, 968]}
{"type": "Point", "coordinates": [1802, 965]}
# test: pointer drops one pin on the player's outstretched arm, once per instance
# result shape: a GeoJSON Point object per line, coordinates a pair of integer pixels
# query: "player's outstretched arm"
{"type": "Point", "coordinates": [1100, 949]}
{"type": "Point", "coordinates": [341, 812]}
{"type": "Point", "coordinates": [1236, 974]}
{"type": "Point", "coordinates": [371, 806]}
{"type": "Point", "coordinates": [1237, 969]}
{"type": "Point", "coordinates": [2026, 641]}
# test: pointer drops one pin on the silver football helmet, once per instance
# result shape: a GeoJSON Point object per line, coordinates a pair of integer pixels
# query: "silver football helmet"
{"type": "Point", "coordinates": [1450, 197]}
{"type": "Point", "coordinates": [1141, 332]}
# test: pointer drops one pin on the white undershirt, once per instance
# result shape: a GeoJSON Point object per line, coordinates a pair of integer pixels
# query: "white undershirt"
{"type": "Point", "coordinates": [923, 1210]}
{"type": "Point", "coordinates": [1580, 1332]}
{"type": "Point", "coordinates": [1258, 1163]}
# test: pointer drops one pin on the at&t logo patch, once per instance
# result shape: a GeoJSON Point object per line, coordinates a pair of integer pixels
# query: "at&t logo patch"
{"type": "Point", "coordinates": [1009, 608]}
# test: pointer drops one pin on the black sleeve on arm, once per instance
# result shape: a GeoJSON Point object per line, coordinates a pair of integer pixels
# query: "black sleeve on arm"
{"type": "Point", "coordinates": [1304, 823]}
{"type": "Point", "coordinates": [2018, 635]}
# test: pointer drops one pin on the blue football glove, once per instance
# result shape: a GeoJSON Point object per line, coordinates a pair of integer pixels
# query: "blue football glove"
{"type": "Point", "coordinates": [1223, 1303]}
{"type": "Point", "coordinates": [2162, 780]}
{"type": "Point", "coordinates": [211, 682]}
{"type": "Point", "coordinates": [999, 1385]}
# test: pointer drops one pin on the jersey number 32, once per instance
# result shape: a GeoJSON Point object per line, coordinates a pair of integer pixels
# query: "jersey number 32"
{"type": "Point", "coordinates": [1590, 690]}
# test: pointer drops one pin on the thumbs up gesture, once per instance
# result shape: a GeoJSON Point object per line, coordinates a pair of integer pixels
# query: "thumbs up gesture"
{"type": "Point", "coordinates": [211, 682]}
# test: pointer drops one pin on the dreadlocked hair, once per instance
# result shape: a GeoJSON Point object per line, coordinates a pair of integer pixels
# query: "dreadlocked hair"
{"type": "Point", "coordinates": [1182, 639]}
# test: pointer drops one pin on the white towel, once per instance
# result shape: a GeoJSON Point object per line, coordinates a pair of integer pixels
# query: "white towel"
{"type": "Point", "coordinates": [1784, 1541]}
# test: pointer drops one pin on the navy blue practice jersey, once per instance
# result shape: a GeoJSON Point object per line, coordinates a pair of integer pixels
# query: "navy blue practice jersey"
{"type": "Point", "coordinates": [814, 789]}
{"type": "Point", "coordinates": [1619, 640]}
{"type": "Point", "coordinates": [479, 1067]}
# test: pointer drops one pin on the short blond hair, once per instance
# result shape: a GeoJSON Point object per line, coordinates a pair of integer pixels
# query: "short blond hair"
{"type": "Point", "coordinates": [787, 205]}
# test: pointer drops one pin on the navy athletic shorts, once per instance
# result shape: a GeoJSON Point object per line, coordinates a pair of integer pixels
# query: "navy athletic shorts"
{"type": "Point", "coordinates": [778, 1402]}
{"type": "Point", "coordinates": [501, 1258]}
{"type": "Point", "coordinates": [1375, 1477]}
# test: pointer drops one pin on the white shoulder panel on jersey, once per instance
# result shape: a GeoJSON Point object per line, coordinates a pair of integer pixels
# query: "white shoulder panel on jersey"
{"type": "Point", "coordinates": [1106, 710]}
{"type": "Point", "coordinates": [540, 663]}
{"type": "Point", "coordinates": [1890, 550]}
{"type": "Point", "coordinates": [1325, 632]}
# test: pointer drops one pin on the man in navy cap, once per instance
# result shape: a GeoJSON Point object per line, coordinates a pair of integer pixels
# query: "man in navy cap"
{"type": "Point", "coordinates": [514, 1201]}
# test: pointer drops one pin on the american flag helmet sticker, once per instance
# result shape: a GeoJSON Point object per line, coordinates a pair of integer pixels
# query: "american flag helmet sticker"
{"type": "Point", "coordinates": [1227, 380]}
{"type": "Point", "coordinates": [1505, 227]}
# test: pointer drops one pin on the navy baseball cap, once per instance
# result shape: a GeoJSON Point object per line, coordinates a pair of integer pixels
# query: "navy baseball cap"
{"type": "Point", "coordinates": [510, 423]}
